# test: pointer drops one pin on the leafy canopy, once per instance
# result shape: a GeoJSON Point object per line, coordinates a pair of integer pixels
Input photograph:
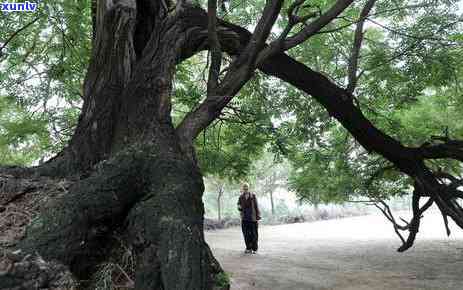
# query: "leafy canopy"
{"type": "Point", "coordinates": [409, 85]}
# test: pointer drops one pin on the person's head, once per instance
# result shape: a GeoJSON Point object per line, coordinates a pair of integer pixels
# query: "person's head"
{"type": "Point", "coordinates": [245, 187]}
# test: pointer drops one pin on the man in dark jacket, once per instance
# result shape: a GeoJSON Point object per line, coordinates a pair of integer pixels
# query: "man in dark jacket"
{"type": "Point", "coordinates": [247, 205]}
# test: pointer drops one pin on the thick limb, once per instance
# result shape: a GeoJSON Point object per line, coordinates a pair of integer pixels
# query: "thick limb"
{"type": "Point", "coordinates": [339, 104]}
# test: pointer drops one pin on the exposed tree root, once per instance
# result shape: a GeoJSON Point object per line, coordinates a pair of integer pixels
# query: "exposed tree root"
{"type": "Point", "coordinates": [24, 272]}
{"type": "Point", "coordinates": [152, 199]}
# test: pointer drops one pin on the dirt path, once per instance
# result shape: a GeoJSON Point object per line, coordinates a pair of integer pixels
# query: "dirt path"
{"type": "Point", "coordinates": [354, 253]}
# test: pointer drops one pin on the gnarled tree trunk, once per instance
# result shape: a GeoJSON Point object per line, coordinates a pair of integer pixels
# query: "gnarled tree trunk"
{"type": "Point", "coordinates": [136, 177]}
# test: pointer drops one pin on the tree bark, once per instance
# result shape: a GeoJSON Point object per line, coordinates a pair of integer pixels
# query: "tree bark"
{"type": "Point", "coordinates": [135, 178]}
{"type": "Point", "coordinates": [151, 195]}
{"type": "Point", "coordinates": [108, 74]}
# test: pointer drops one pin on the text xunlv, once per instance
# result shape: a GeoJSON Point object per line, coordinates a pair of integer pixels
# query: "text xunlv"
{"type": "Point", "coordinates": [18, 7]}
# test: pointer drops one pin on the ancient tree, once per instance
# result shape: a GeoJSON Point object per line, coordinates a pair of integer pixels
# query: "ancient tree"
{"type": "Point", "coordinates": [135, 172]}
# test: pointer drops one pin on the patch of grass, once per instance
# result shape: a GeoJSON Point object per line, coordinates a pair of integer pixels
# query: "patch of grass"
{"type": "Point", "coordinates": [222, 280]}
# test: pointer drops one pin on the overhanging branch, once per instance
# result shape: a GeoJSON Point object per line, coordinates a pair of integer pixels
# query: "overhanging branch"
{"type": "Point", "coordinates": [215, 50]}
{"type": "Point", "coordinates": [16, 33]}
{"type": "Point", "coordinates": [448, 149]}
{"type": "Point", "coordinates": [283, 43]}
{"type": "Point", "coordinates": [239, 72]}
{"type": "Point", "coordinates": [317, 24]}
{"type": "Point", "coordinates": [355, 52]}
{"type": "Point", "coordinates": [338, 102]}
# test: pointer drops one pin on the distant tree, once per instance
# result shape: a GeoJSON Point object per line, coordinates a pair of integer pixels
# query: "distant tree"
{"type": "Point", "coordinates": [219, 187]}
{"type": "Point", "coordinates": [268, 174]}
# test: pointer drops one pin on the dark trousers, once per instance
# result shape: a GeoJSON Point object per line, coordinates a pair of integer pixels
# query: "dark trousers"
{"type": "Point", "coordinates": [250, 234]}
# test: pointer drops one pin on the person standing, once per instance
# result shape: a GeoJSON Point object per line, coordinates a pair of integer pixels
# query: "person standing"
{"type": "Point", "coordinates": [250, 215]}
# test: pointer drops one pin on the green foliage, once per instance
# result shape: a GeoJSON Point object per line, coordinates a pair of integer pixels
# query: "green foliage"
{"type": "Point", "coordinates": [410, 75]}
{"type": "Point", "coordinates": [227, 147]}
{"type": "Point", "coordinates": [41, 75]}
{"type": "Point", "coordinates": [222, 279]}
{"type": "Point", "coordinates": [409, 86]}
{"type": "Point", "coordinates": [23, 135]}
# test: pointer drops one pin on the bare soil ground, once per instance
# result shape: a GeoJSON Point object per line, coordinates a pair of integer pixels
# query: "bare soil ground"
{"type": "Point", "coordinates": [351, 254]}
